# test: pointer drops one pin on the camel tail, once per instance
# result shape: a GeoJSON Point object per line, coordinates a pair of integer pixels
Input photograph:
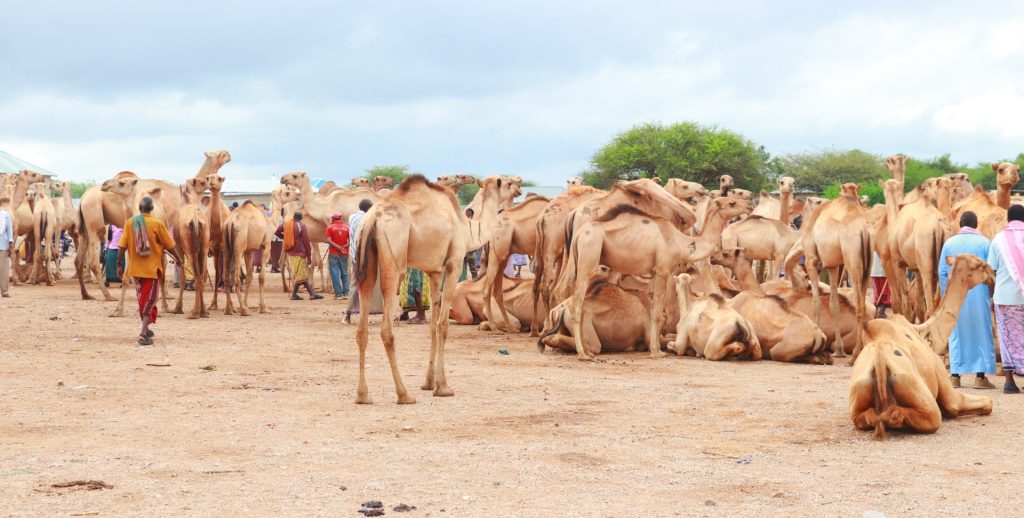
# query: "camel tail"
{"type": "Point", "coordinates": [230, 241]}
{"type": "Point", "coordinates": [197, 255]}
{"type": "Point", "coordinates": [538, 258]}
{"type": "Point", "coordinates": [558, 323]}
{"type": "Point", "coordinates": [865, 247]}
{"type": "Point", "coordinates": [366, 247]}
{"type": "Point", "coordinates": [568, 231]}
{"type": "Point", "coordinates": [883, 399]}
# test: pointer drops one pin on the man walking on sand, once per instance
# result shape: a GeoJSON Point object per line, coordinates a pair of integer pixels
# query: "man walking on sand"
{"type": "Point", "coordinates": [144, 241]}
{"type": "Point", "coordinates": [300, 254]}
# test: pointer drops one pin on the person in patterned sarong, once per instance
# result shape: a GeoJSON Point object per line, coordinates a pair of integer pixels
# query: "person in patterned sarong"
{"type": "Point", "coordinates": [144, 241]}
{"type": "Point", "coordinates": [1006, 257]}
{"type": "Point", "coordinates": [300, 253]}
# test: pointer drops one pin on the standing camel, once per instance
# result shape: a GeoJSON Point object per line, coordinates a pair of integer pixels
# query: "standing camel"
{"type": "Point", "coordinates": [102, 205]}
{"type": "Point", "coordinates": [282, 199]}
{"type": "Point", "coordinates": [218, 213]}
{"type": "Point", "coordinates": [45, 232]}
{"type": "Point", "coordinates": [632, 242]}
{"type": "Point", "coordinates": [246, 232]}
{"type": "Point", "coordinates": [192, 238]}
{"type": "Point", "coordinates": [916, 235]}
{"type": "Point", "coordinates": [420, 226]}
{"type": "Point", "coordinates": [838, 235]}
{"type": "Point", "coordinates": [514, 233]}
{"type": "Point", "coordinates": [991, 210]}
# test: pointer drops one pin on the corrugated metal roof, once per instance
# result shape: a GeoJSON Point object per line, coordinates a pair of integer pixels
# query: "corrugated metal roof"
{"type": "Point", "coordinates": [12, 164]}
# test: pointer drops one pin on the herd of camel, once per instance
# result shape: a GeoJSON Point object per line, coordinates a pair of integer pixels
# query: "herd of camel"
{"type": "Point", "coordinates": [641, 266]}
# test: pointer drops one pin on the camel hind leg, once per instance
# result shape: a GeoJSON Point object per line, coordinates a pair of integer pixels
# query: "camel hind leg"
{"type": "Point", "coordinates": [838, 350]}
{"type": "Point", "coordinates": [265, 252]}
{"type": "Point", "coordinates": [389, 285]}
{"type": "Point", "coordinates": [119, 310]}
{"type": "Point", "coordinates": [439, 317]}
{"type": "Point", "coordinates": [178, 309]}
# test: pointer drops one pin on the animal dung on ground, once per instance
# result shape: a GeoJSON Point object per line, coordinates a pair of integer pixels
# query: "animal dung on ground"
{"type": "Point", "coordinates": [402, 508]}
{"type": "Point", "coordinates": [372, 508]}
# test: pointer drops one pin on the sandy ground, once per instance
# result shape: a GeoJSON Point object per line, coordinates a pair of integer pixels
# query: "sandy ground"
{"type": "Point", "coordinates": [273, 429]}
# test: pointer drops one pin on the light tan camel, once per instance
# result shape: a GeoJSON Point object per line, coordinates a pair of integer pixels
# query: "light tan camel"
{"type": "Point", "coordinates": [246, 232]}
{"type": "Point", "coordinates": [763, 238]}
{"type": "Point", "coordinates": [686, 191]}
{"type": "Point", "coordinates": [45, 231]}
{"type": "Point", "coordinates": [361, 182]}
{"type": "Point", "coordinates": [468, 304]}
{"type": "Point", "coordinates": [899, 380]}
{"type": "Point", "coordinates": [317, 211]}
{"type": "Point", "coordinates": [192, 238]}
{"type": "Point", "coordinates": [991, 211]}
{"type": "Point", "coordinates": [614, 319]}
{"type": "Point", "coordinates": [419, 226]}
{"type": "Point", "coordinates": [631, 242]}
{"type": "Point", "coordinates": [710, 328]}
{"type": "Point", "coordinates": [218, 213]}
{"type": "Point", "coordinates": [574, 182]}
{"type": "Point", "coordinates": [383, 182]}
{"type": "Point", "coordinates": [21, 212]}
{"type": "Point", "coordinates": [770, 207]}
{"type": "Point", "coordinates": [838, 235]}
{"type": "Point", "coordinates": [514, 233]}
{"type": "Point", "coordinates": [326, 188]}
{"type": "Point", "coordinates": [101, 205]}
{"type": "Point", "coordinates": [455, 181]}
{"type": "Point", "coordinates": [916, 235]}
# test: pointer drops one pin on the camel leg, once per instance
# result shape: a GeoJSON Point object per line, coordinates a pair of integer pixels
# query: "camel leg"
{"type": "Point", "coordinates": [218, 254]}
{"type": "Point", "coordinates": [917, 409]}
{"type": "Point", "coordinates": [657, 318]}
{"type": "Point", "coordinates": [591, 340]}
{"type": "Point", "coordinates": [263, 272]}
{"type": "Point", "coordinates": [389, 289]}
{"type": "Point", "coordinates": [363, 330]}
{"type": "Point", "coordinates": [181, 293]}
{"type": "Point", "coordinates": [833, 304]}
{"type": "Point", "coordinates": [491, 273]}
{"type": "Point", "coordinates": [119, 310]}
{"type": "Point", "coordinates": [447, 283]}
{"type": "Point", "coordinates": [241, 287]}
{"type": "Point", "coordinates": [560, 341]}
{"type": "Point", "coordinates": [250, 272]}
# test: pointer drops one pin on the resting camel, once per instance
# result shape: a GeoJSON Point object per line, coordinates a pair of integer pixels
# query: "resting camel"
{"type": "Point", "coordinates": [614, 319]}
{"type": "Point", "coordinates": [710, 328]}
{"type": "Point", "coordinates": [991, 211]}
{"type": "Point", "coordinates": [468, 304]}
{"type": "Point", "coordinates": [785, 334]}
{"type": "Point", "coordinates": [192, 238]}
{"type": "Point", "coordinates": [101, 205]}
{"type": "Point", "coordinates": [246, 232]}
{"type": "Point", "coordinates": [420, 226]}
{"type": "Point", "coordinates": [361, 183]}
{"type": "Point", "coordinates": [838, 235]}
{"type": "Point", "coordinates": [632, 242]}
{"type": "Point", "coordinates": [916, 235]}
{"type": "Point", "coordinates": [317, 211]}
{"type": "Point", "coordinates": [900, 381]}
{"type": "Point", "coordinates": [514, 233]}
{"type": "Point", "coordinates": [455, 181]}
{"type": "Point", "coordinates": [46, 233]}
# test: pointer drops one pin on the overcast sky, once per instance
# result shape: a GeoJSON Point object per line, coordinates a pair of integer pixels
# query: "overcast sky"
{"type": "Point", "coordinates": [527, 88]}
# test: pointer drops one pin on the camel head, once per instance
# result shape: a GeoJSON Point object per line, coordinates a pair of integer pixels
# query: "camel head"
{"type": "Point", "coordinates": [653, 199]}
{"type": "Point", "coordinates": [897, 165]}
{"type": "Point", "coordinates": [38, 191]}
{"type": "Point", "coordinates": [970, 270]}
{"type": "Point", "coordinates": [727, 257]}
{"type": "Point", "coordinates": [61, 187]}
{"type": "Point", "coordinates": [383, 182]}
{"type": "Point", "coordinates": [786, 184]}
{"type": "Point", "coordinates": [1007, 174]}
{"type": "Point", "coordinates": [741, 194]}
{"type": "Point", "coordinates": [296, 179]}
{"type": "Point", "coordinates": [574, 182]}
{"type": "Point", "coordinates": [511, 188]}
{"type": "Point", "coordinates": [197, 186]}
{"type": "Point", "coordinates": [724, 183]}
{"type": "Point", "coordinates": [285, 195]}
{"type": "Point", "coordinates": [865, 200]}
{"type": "Point", "coordinates": [686, 191]}
{"type": "Point", "coordinates": [891, 190]}
{"type": "Point", "coordinates": [215, 183]}
{"type": "Point", "coordinates": [362, 182]}
{"type": "Point", "coordinates": [455, 181]}
{"type": "Point", "coordinates": [850, 191]}
{"type": "Point", "coordinates": [218, 157]}
{"type": "Point", "coordinates": [729, 208]}
{"type": "Point", "coordinates": [123, 184]}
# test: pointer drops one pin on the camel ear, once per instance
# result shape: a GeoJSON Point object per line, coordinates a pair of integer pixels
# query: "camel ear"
{"type": "Point", "coordinates": [950, 260]}
{"type": "Point", "coordinates": [208, 154]}
{"type": "Point", "coordinates": [155, 193]}
{"type": "Point", "coordinates": [656, 179]}
{"type": "Point", "coordinates": [737, 251]}
{"type": "Point", "coordinates": [995, 167]}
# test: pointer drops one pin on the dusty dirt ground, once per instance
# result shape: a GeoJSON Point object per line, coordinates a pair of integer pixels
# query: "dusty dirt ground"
{"type": "Point", "coordinates": [274, 431]}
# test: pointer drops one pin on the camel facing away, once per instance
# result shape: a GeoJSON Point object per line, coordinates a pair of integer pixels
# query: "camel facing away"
{"type": "Point", "coordinates": [631, 242]}
{"type": "Point", "coordinates": [192, 238]}
{"type": "Point", "coordinates": [899, 381]}
{"type": "Point", "coordinates": [614, 319]}
{"type": "Point", "coordinates": [420, 225]}
{"type": "Point", "coordinates": [991, 210]}
{"type": "Point", "coordinates": [514, 233]}
{"type": "Point", "coordinates": [106, 204]}
{"type": "Point", "coordinates": [45, 231]}
{"type": "Point", "coordinates": [710, 328]}
{"type": "Point", "coordinates": [246, 232]}
{"type": "Point", "coordinates": [838, 235]}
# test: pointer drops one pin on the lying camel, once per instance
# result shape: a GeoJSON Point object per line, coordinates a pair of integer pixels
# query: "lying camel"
{"type": "Point", "coordinates": [710, 328]}
{"type": "Point", "coordinates": [899, 381]}
{"type": "Point", "coordinates": [614, 319]}
{"type": "Point", "coordinates": [468, 304]}
{"type": "Point", "coordinates": [784, 334]}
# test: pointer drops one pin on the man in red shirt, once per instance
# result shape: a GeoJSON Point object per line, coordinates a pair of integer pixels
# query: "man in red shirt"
{"type": "Point", "coordinates": [337, 240]}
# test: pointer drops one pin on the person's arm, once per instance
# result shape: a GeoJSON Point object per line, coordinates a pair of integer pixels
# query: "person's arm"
{"type": "Point", "coordinates": [280, 231]}
{"type": "Point", "coordinates": [943, 270]}
{"type": "Point", "coordinates": [331, 243]}
{"type": "Point", "coordinates": [10, 233]}
{"type": "Point", "coordinates": [305, 242]}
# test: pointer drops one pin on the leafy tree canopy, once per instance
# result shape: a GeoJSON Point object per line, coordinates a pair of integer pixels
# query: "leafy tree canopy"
{"type": "Point", "coordinates": [684, 150]}
{"type": "Point", "coordinates": [79, 188]}
{"type": "Point", "coordinates": [396, 172]}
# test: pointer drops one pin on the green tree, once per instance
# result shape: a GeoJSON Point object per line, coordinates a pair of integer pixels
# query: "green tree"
{"type": "Point", "coordinates": [395, 172]}
{"type": "Point", "coordinates": [684, 150]}
{"type": "Point", "coordinates": [79, 188]}
{"type": "Point", "coordinates": [817, 171]}
{"type": "Point", "coordinates": [467, 192]}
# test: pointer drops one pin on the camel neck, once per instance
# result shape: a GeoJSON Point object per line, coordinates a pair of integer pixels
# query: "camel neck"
{"type": "Point", "coordinates": [208, 168]}
{"type": "Point", "coordinates": [785, 197]}
{"type": "Point", "coordinates": [1003, 197]}
{"type": "Point", "coordinates": [940, 325]}
{"type": "Point", "coordinates": [745, 275]}
{"type": "Point", "coordinates": [19, 195]}
{"type": "Point", "coordinates": [482, 226]}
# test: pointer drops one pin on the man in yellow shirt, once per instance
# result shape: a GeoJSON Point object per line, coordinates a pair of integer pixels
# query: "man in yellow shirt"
{"type": "Point", "coordinates": [145, 239]}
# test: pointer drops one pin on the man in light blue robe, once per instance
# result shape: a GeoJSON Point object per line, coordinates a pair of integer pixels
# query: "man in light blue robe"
{"type": "Point", "coordinates": [971, 347]}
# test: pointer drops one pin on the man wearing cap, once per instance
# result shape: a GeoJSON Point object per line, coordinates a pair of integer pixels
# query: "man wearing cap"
{"type": "Point", "coordinates": [299, 251]}
{"type": "Point", "coordinates": [337, 240]}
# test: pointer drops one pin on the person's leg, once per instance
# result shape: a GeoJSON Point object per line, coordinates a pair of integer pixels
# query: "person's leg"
{"type": "Point", "coordinates": [5, 273]}
{"type": "Point", "coordinates": [1009, 335]}
{"type": "Point", "coordinates": [343, 270]}
{"type": "Point", "coordinates": [309, 286]}
{"type": "Point", "coordinates": [421, 316]}
{"type": "Point", "coordinates": [275, 256]}
{"type": "Point", "coordinates": [334, 264]}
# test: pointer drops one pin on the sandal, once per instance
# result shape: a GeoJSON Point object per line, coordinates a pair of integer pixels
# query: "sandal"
{"type": "Point", "coordinates": [145, 340]}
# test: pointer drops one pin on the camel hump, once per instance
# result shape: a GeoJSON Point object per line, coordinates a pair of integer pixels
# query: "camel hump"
{"type": "Point", "coordinates": [623, 208]}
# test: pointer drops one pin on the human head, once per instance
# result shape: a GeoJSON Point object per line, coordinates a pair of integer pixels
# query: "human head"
{"type": "Point", "coordinates": [336, 216]}
{"type": "Point", "coordinates": [1016, 213]}
{"type": "Point", "coordinates": [969, 219]}
{"type": "Point", "coordinates": [297, 216]}
{"type": "Point", "coordinates": [365, 205]}
{"type": "Point", "coordinates": [469, 213]}
{"type": "Point", "coordinates": [146, 205]}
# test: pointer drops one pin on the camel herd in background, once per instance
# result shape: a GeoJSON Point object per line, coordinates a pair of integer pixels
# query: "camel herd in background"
{"type": "Point", "coordinates": [641, 266]}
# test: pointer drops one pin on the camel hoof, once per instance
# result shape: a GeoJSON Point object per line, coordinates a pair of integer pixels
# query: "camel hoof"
{"type": "Point", "coordinates": [406, 400]}
{"type": "Point", "coordinates": [427, 386]}
{"type": "Point", "coordinates": [108, 298]}
{"type": "Point", "coordinates": [363, 399]}
{"type": "Point", "coordinates": [443, 392]}
{"type": "Point", "coordinates": [658, 354]}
